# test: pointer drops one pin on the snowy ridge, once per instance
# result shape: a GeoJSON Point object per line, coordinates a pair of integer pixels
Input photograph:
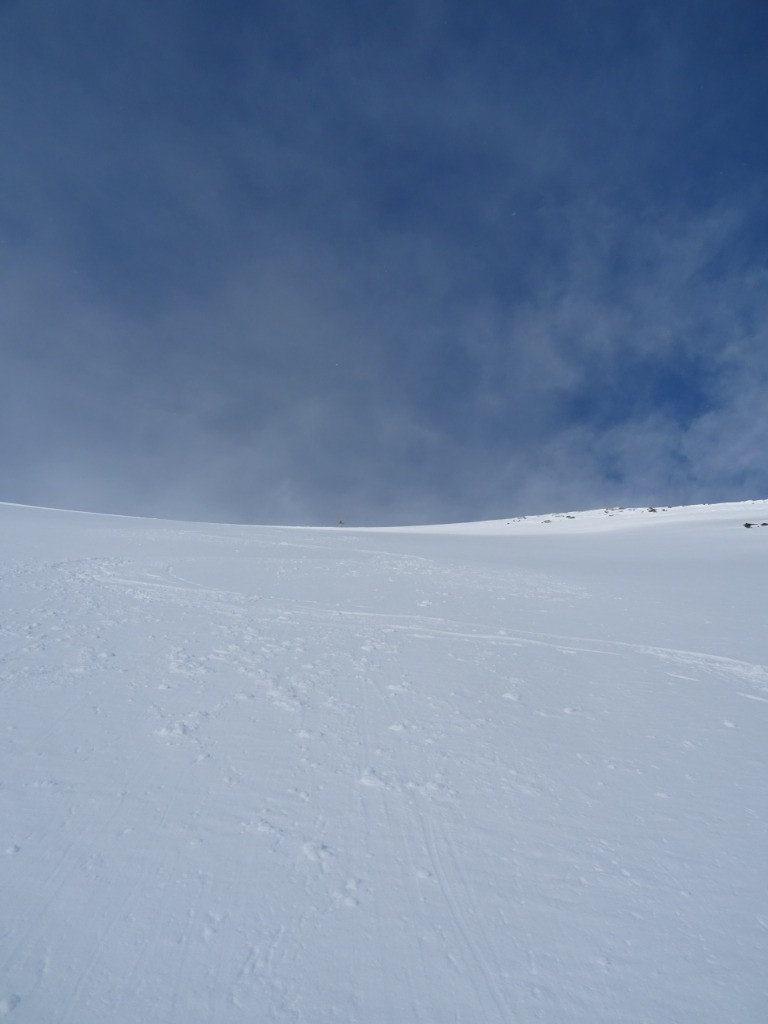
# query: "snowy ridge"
{"type": "Point", "coordinates": [602, 518]}
{"type": "Point", "coordinates": [495, 772]}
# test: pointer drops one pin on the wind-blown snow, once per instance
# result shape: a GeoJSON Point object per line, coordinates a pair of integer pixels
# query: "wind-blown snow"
{"type": "Point", "coordinates": [501, 772]}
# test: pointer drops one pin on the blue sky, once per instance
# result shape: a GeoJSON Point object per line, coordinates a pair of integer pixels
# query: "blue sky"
{"type": "Point", "coordinates": [390, 263]}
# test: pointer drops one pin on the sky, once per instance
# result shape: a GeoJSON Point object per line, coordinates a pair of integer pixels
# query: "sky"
{"type": "Point", "coordinates": [385, 262]}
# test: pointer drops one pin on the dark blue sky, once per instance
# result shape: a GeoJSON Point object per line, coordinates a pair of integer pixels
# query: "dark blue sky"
{"type": "Point", "coordinates": [387, 262]}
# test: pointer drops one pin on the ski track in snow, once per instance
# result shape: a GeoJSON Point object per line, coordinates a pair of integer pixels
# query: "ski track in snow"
{"type": "Point", "coordinates": [321, 776]}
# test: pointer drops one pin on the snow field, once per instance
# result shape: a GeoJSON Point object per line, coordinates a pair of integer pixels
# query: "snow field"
{"type": "Point", "coordinates": [489, 773]}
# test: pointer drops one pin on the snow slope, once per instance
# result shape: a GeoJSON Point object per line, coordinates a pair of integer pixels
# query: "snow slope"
{"type": "Point", "coordinates": [500, 772]}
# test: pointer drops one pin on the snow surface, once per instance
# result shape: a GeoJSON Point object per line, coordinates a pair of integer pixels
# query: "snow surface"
{"type": "Point", "coordinates": [499, 772]}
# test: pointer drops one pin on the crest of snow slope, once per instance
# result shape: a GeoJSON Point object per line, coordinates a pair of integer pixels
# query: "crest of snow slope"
{"type": "Point", "coordinates": [486, 773]}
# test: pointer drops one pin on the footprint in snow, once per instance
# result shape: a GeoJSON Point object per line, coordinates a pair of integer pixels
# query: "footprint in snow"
{"type": "Point", "coordinates": [317, 853]}
{"type": "Point", "coordinates": [370, 778]}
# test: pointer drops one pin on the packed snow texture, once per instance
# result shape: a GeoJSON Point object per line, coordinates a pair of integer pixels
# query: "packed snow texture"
{"type": "Point", "coordinates": [500, 772]}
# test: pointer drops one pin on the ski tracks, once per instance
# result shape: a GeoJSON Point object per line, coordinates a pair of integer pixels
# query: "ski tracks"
{"type": "Point", "coordinates": [468, 927]}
